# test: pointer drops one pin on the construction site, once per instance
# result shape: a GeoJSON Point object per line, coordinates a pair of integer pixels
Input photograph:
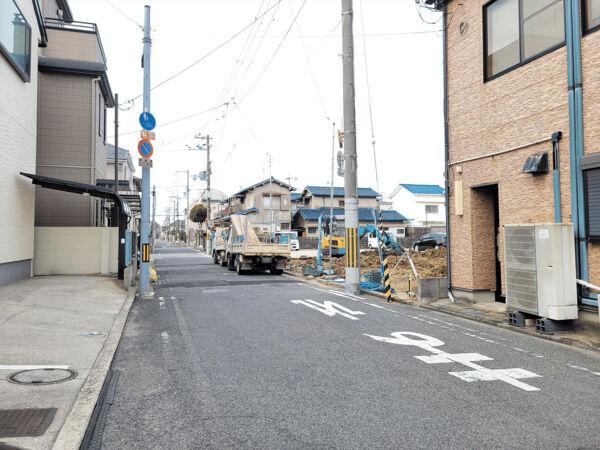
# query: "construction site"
{"type": "Point", "coordinates": [428, 264]}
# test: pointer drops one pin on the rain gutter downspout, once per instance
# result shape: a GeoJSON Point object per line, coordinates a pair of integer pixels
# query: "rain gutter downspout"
{"type": "Point", "coordinates": [575, 95]}
{"type": "Point", "coordinates": [556, 137]}
{"type": "Point", "coordinates": [447, 152]}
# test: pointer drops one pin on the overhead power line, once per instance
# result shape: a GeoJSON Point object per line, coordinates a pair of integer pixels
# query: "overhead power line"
{"type": "Point", "coordinates": [211, 52]}
{"type": "Point", "coordinates": [124, 14]}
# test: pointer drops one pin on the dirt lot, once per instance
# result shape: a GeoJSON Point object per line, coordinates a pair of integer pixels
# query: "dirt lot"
{"type": "Point", "coordinates": [430, 263]}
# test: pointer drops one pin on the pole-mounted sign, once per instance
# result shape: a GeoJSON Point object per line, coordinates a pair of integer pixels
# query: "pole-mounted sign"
{"type": "Point", "coordinates": [147, 121]}
{"type": "Point", "coordinates": [145, 148]}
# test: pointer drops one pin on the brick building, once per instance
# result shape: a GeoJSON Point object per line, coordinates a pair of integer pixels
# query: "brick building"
{"type": "Point", "coordinates": [508, 90]}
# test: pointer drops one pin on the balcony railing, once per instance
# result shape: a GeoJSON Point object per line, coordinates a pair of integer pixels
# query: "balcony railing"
{"type": "Point", "coordinates": [80, 27]}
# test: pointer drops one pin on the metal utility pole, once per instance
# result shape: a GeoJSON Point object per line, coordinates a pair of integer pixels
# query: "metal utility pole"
{"type": "Point", "coordinates": [153, 214]}
{"type": "Point", "coordinates": [145, 210]}
{"type": "Point", "coordinates": [350, 188]}
{"type": "Point", "coordinates": [187, 207]}
{"type": "Point", "coordinates": [116, 144]}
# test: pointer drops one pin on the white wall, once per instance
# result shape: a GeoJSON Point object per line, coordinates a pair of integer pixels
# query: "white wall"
{"type": "Point", "coordinates": [75, 250]}
{"type": "Point", "coordinates": [18, 128]}
{"type": "Point", "coordinates": [413, 207]}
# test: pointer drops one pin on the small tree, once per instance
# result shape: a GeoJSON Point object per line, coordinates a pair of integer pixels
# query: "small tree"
{"type": "Point", "coordinates": [198, 213]}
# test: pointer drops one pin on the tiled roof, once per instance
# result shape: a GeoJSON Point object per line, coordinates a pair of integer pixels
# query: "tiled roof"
{"type": "Point", "coordinates": [426, 189]}
{"type": "Point", "coordinates": [262, 183]}
{"type": "Point", "coordinates": [325, 191]}
{"type": "Point", "coordinates": [295, 196]}
{"type": "Point", "coordinates": [364, 214]}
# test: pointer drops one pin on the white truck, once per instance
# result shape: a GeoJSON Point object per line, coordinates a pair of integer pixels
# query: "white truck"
{"type": "Point", "coordinates": [219, 246]}
{"type": "Point", "coordinates": [246, 252]}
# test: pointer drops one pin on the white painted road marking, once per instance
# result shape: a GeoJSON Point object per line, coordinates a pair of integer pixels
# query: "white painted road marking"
{"type": "Point", "coordinates": [329, 308]}
{"type": "Point", "coordinates": [32, 367]}
{"type": "Point", "coordinates": [165, 337]}
{"type": "Point", "coordinates": [479, 373]}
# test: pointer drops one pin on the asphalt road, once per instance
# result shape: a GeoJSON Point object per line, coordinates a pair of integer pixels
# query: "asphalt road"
{"type": "Point", "coordinates": [261, 361]}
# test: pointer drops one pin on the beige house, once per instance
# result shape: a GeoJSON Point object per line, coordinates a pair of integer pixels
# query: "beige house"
{"type": "Point", "coordinates": [509, 127]}
{"type": "Point", "coordinates": [73, 95]}
{"type": "Point", "coordinates": [267, 204]}
{"type": "Point", "coordinates": [320, 197]}
{"type": "Point", "coordinates": [23, 21]}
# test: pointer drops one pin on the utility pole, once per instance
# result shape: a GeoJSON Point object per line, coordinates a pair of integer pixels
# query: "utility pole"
{"type": "Point", "coordinates": [116, 144]}
{"type": "Point", "coordinates": [187, 207]}
{"type": "Point", "coordinates": [145, 212]}
{"type": "Point", "coordinates": [153, 214]}
{"type": "Point", "coordinates": [331, 197]}
{"type": "Point", "coordinates": [208, 174]}
{"type": "Point", "coordinates": [350, 183]}
{"type": "Point", "coordinates": [271, 197]}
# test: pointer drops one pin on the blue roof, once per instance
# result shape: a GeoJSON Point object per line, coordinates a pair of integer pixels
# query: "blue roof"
{"type": "Point", "coordinates": [364, 214]}
{"type": "Point", "coordinates": [325, 191]}
{"type": "Point", "coordinates": [426, 189]}
{"type": "Point", "coordinates": [295, 196]}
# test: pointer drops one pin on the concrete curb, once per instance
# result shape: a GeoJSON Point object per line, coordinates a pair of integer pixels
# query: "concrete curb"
{"type": "Point", "coordinates": [73, 430]}
{"type": "Point", "coordinates": [564, 340]}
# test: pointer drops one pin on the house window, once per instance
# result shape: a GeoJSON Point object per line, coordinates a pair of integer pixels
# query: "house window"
{"type": "Point", "coordinates": [592, 202]}
{"type": "Point", "coordinates": [15, 38]}
{"type": "Point", "coordinates": [275, 204]}
{"type": "Point", "coordinates": [431, 209]}
{"type": "Point", "coordinates": [401, 232]}
{"type": "Point", "coordinates": [312, 230]}
{"type": "Point", "coordinates": [341, 203]}
{"type": "Point", "coordinates": [591, 14]}
{"type": "Point", "coordinates": [517, 31]}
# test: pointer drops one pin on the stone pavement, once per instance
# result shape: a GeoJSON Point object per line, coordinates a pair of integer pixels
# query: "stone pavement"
{"type": "Point", "coordinates": [60, 323]}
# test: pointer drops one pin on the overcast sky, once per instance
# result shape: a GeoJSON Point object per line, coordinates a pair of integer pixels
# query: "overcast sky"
{"type": "Point", "coordinates": [287, 111]}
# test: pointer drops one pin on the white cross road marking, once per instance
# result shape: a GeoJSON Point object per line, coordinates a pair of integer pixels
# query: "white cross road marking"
{"type": "Point", "coordinates": [162, 305]}
{"type": "Point", "coordinates": [329, 308]}
{"type": "Point", "coordinates": [479, 373]}
{"type": "Point", "coordinates": [164, 337]}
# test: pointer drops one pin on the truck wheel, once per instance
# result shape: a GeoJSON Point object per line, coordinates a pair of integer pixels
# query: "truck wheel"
{"type": "Point", "coordinates": [275, 271]}
{"type": "Point", "coordinates": [215, 258]}
{"type": "Point", "coordinates": [223, 260]}
{"type": "Point", "coordinates": [238, 266]}
{"type": "Point", "coordinates": [231, 262]}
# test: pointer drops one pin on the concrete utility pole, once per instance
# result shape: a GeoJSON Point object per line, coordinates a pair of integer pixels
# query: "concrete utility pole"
{"type": "Point", "coordinates": [350, 188]}
{"type": "Point", "coordinates": [145, 225]}
{"type": "Point", "coordinates": [116, 144]}
{"type": "Point", "coordinates": [153, 214]}
{"type": "Point", "coordinates": [187, 207]}
{"type": "Point", "coordinates": [271, 197]}
{"type": "Point", "coordinates": [208, 174]}
{"type": "Point", "coordinates": [331, 198]}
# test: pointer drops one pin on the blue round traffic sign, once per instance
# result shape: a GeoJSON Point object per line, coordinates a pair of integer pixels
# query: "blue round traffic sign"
{"type": "Point", "coordinates": [147, 121]}
{"type": "Point", "coordinates": [145, 148]}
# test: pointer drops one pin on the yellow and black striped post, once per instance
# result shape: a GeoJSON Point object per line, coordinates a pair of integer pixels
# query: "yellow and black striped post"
{"type": "Point", "coordinates": [351, 247]}
{"type": "Point", "coordinates": [387, 283]}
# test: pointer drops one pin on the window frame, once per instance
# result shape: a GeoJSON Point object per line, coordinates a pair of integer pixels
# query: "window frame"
{"type": "Point", "coordinates": [522, 61]}
{"type": "Point", "coordinates": [26, 76]}
{"type": "Point", "coordinates": [437, 209]}
{"type": "Point", "coordinates": [586, 29]}
{"type": "Point", "coordinates": [590, 237]}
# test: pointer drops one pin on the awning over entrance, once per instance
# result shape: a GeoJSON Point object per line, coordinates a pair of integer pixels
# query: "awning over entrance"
{"type": "Point", "coordinates": [79, 188]}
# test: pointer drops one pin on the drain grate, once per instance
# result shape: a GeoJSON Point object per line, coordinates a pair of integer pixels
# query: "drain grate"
{"type": "Point", "coordinates": [42, 376]}
{"type": "Point", "coordinates": [25, 422]}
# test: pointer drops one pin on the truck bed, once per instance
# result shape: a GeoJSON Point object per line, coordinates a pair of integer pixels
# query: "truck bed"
{"type": "Point", "coordinates": [261, 249]}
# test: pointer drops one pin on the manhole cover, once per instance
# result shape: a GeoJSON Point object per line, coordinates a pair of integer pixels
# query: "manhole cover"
{"type": "Point", "coordinates": [25, 422]}
{"type": "Point", "coordinates": [42, 376]}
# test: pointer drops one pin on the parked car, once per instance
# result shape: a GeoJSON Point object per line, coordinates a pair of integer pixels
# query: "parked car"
{"type": "Point", "coordinates": [430, 240]}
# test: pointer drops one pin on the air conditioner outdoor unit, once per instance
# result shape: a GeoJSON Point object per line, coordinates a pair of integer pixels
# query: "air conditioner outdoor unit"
{"type": "Point", "coordinates": [540, 270]}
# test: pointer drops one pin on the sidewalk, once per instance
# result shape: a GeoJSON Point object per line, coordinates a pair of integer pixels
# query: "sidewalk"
{"type": "Point", "coordinates": [59, 323]}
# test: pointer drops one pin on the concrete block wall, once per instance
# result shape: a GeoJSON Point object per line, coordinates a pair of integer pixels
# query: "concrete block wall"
{"type": "Point", "coordinates": [75, 250]}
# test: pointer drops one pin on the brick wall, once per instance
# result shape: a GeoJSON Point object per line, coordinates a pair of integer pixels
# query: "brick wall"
{"type": "Point", "coordinates": [521, 107]}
